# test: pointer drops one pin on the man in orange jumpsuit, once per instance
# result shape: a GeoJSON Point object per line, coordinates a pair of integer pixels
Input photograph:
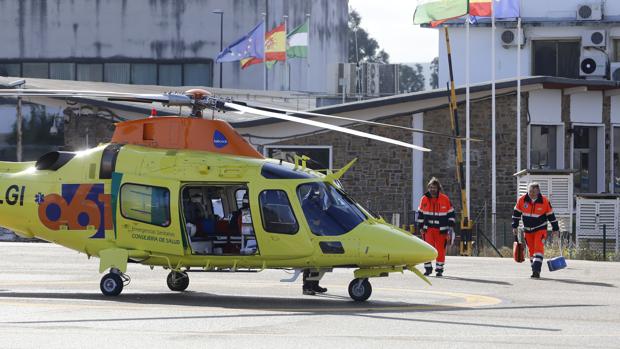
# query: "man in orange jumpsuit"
{"type": "Point", "coordinates": [435, 221]}
{"type": "Point", "coordinates": [536, 211]}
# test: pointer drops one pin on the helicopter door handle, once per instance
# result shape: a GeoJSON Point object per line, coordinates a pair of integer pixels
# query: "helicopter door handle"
{"type": "Point", "coordinates": [275, 238]}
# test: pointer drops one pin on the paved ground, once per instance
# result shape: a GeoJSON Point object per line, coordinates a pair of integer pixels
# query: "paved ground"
{"type": "Point", "coordinates": [49, 297]}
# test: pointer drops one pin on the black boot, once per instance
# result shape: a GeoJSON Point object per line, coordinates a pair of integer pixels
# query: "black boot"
{"type": "Point", "coordinates": [429, 271]}
{"type": "Point", "coordinates": [308, 288]}
{"type": "Point", "coordinates": [318, 289]}
{"type": "Point", "coordinates": [535, 275]}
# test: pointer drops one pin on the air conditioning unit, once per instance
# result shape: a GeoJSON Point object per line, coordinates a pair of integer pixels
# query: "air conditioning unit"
{"type": "Point", "coordinates": [593, 38]}
{"type": "Point", "coordinates": [592, 63]}
{"type": "Point", "coordinates": [614, 71]}
{"type": "Point", "coordinates": [343, 76]}
{"type": "Point", "coordinates": [388, 79]}
{"type": "Point", "coordinates": [509, 37]}
{"type": "Point", "coordinates": [370, 79]}
{"type": "Point", "coordinates": [589, 11]}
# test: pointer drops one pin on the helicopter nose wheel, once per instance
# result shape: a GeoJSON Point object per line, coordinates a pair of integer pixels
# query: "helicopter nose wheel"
{"type": "Point", "coordinates": [360, 289]}
{"type": "Point", "coordinates": [177, 281]}
{"type": "Point", "coordinates": [113, 282]}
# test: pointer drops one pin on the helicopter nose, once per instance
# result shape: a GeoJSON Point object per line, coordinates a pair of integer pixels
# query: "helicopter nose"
{"type": "Point", "coordinates": [412, 250]}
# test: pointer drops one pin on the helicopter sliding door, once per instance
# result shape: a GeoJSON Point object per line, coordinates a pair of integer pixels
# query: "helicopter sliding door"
{"type": "Point", "coordinates": [147, 215]}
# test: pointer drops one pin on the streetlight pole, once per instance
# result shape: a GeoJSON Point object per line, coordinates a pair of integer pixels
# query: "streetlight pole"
{"type": "Point", "coordinates": [19, 122]}
{"type": "Point", "coordinates": [221, 13]}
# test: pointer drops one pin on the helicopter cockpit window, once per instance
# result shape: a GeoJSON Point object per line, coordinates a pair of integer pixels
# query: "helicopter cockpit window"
{"type": "Point", "coordinates": [327, 211]}
{"type": "Point", "coordinates": [277, 213]}
{"type": "Point", "coordinates": [146, 204]}
{"type": "Point", "coordinates": [283, 170]}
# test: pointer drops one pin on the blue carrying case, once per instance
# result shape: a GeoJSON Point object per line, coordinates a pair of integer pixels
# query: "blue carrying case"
{"type": "Point", "coordinates": [556, 263]}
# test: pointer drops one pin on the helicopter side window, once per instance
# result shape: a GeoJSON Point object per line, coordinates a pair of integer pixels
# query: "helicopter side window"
{"type": "Point", "coordinates": [277, 213]}
{"type": "Point", "coordinates": [146, 204]}
{"type": "Point", "coordinates": [327, 211]}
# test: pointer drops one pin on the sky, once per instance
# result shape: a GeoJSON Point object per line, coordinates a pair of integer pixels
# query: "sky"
{"type": "Point", "coordinates": [392, 27]}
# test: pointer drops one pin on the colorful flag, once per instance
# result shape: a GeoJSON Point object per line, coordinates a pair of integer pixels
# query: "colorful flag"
{"type": "Point", "coordinates": [429, 11]}
{"type": "Point", "coordinates": [298, 42]}
{"type": "Point", "coordinates": [275, 48]}
{"type": "Point", "coordinates": [250, 45]}
{"type": "Point", "coordinates": [480, 8]}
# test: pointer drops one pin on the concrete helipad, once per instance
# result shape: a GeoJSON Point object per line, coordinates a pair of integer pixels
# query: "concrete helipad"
{"type": "Point", "coordinates": [49, 297]}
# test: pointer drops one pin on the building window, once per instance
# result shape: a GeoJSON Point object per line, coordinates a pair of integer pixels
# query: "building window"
{"type": "Point", "coordinates": [168, 73]}
{"type": "Point", "coordinates": [320, 156]}
{"type": "Point", "coordinates": [543, 147]}
{"type": "Point", "coordinates": [585, 154]}
{"type": "Point", "coordinates": [10, 69]}
{"type": "Point", "coordinates": [277, 213]}
{"type": "Point", "coordinates": [62, 71]}
{"type": "Point", "coordinates": [616, 159]}
{"type": "Point", "coordinates": [146, 204]}
{"type": "Point", "coordinates": [89, 72]}
{"type": "Point", "coordinates": [197, 74]}
{"type": "Point", "coordinates": [616, 48]}
{"type": "Point", "coordinates": [556, 58]}
{"type": "Point", "coordinates": [118, 73]}
{"type": "Point", "coordinates": [35, 70]}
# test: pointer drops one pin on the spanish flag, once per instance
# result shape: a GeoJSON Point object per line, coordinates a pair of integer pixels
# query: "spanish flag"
{"type": "Point", "coordinates": [275, 48]}
{"type": "Point", "coordinates": [482, 8]}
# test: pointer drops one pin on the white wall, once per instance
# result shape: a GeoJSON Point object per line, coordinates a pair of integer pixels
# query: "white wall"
{"type": "Point", "coordinates": [506, 58]}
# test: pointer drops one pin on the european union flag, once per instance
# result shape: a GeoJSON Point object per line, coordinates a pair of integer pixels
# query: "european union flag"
{"type": "Point", "coordinates": [250, 45]}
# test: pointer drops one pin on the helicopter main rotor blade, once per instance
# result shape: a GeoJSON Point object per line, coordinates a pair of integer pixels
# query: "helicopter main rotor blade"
{"type": "Point", "coordinates": [169, 99]}
{"type": "Point", "coordinates": [381, 124]}
{"type": "Point", "coordinates": [250, 110]}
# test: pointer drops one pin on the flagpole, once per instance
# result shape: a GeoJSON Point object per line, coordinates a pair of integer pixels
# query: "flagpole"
{"type": "Point", "coordinates": [308, 55]}
{"type": "Point", "coordinates": [264, 52]}
{"type": "Point", "coordinates": [519, 93]}
{"type": "Point", "coordinates": [493, 144]}
{"type": "Point", "coordinates": [285, 68]}
{"type": "Point", "coordinates": [467, 111]}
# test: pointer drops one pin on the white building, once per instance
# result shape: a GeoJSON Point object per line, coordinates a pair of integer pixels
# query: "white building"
{"type": "Point", "coordinates": [162, 42]}
{"type": "Point", "coordinates": [574, 39]}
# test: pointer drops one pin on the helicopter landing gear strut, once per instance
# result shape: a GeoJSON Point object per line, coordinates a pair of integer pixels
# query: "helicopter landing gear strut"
{"type": "Point", "coordinates": [360, 289]}
{"type": "Point", "coordinates": [177, 281]}
{"type": "Point", "coordinates": [113, 282]}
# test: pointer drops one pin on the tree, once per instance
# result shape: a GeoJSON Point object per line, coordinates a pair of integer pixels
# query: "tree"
{"type": "Point", "coordinates": [434, 73]}
{"type": "Point", "coordinates": [368, 50]}
{"type": "Point", "coordinates": [410, 79]}
{"type": "Point", "coordinates": [36, 128]}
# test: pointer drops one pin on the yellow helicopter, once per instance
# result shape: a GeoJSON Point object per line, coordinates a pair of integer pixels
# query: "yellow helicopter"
{"type": "Point", "coordinates": [190, 194]}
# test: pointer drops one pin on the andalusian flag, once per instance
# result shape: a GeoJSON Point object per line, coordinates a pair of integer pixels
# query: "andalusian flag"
{"type": "Point", "coordinates": [429, 11]}
{"type": "Point", "coordinates": [298, 42]}
{"type": "Point", "coordinates": [275, 48]}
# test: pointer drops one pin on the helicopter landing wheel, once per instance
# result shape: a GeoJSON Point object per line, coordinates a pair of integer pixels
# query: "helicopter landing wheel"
{"type": "Point", "coordinates": [360, 289]}
{"type": "Point", "coordinates": [177, 281]}
{"type": "Point", "coordinates": [111, 284]}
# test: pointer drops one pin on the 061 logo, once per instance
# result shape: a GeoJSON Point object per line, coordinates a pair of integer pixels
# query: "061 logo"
{"type": "Point", "coordinates": [79, 206]}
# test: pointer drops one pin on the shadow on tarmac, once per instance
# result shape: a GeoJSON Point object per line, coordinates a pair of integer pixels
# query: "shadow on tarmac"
{"type": "Point", "coordinates": [585, 283]}
{"type": "Point", "coordinates": [317, 305]}
{"type": "Point", "coordinates": [481, 281]}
